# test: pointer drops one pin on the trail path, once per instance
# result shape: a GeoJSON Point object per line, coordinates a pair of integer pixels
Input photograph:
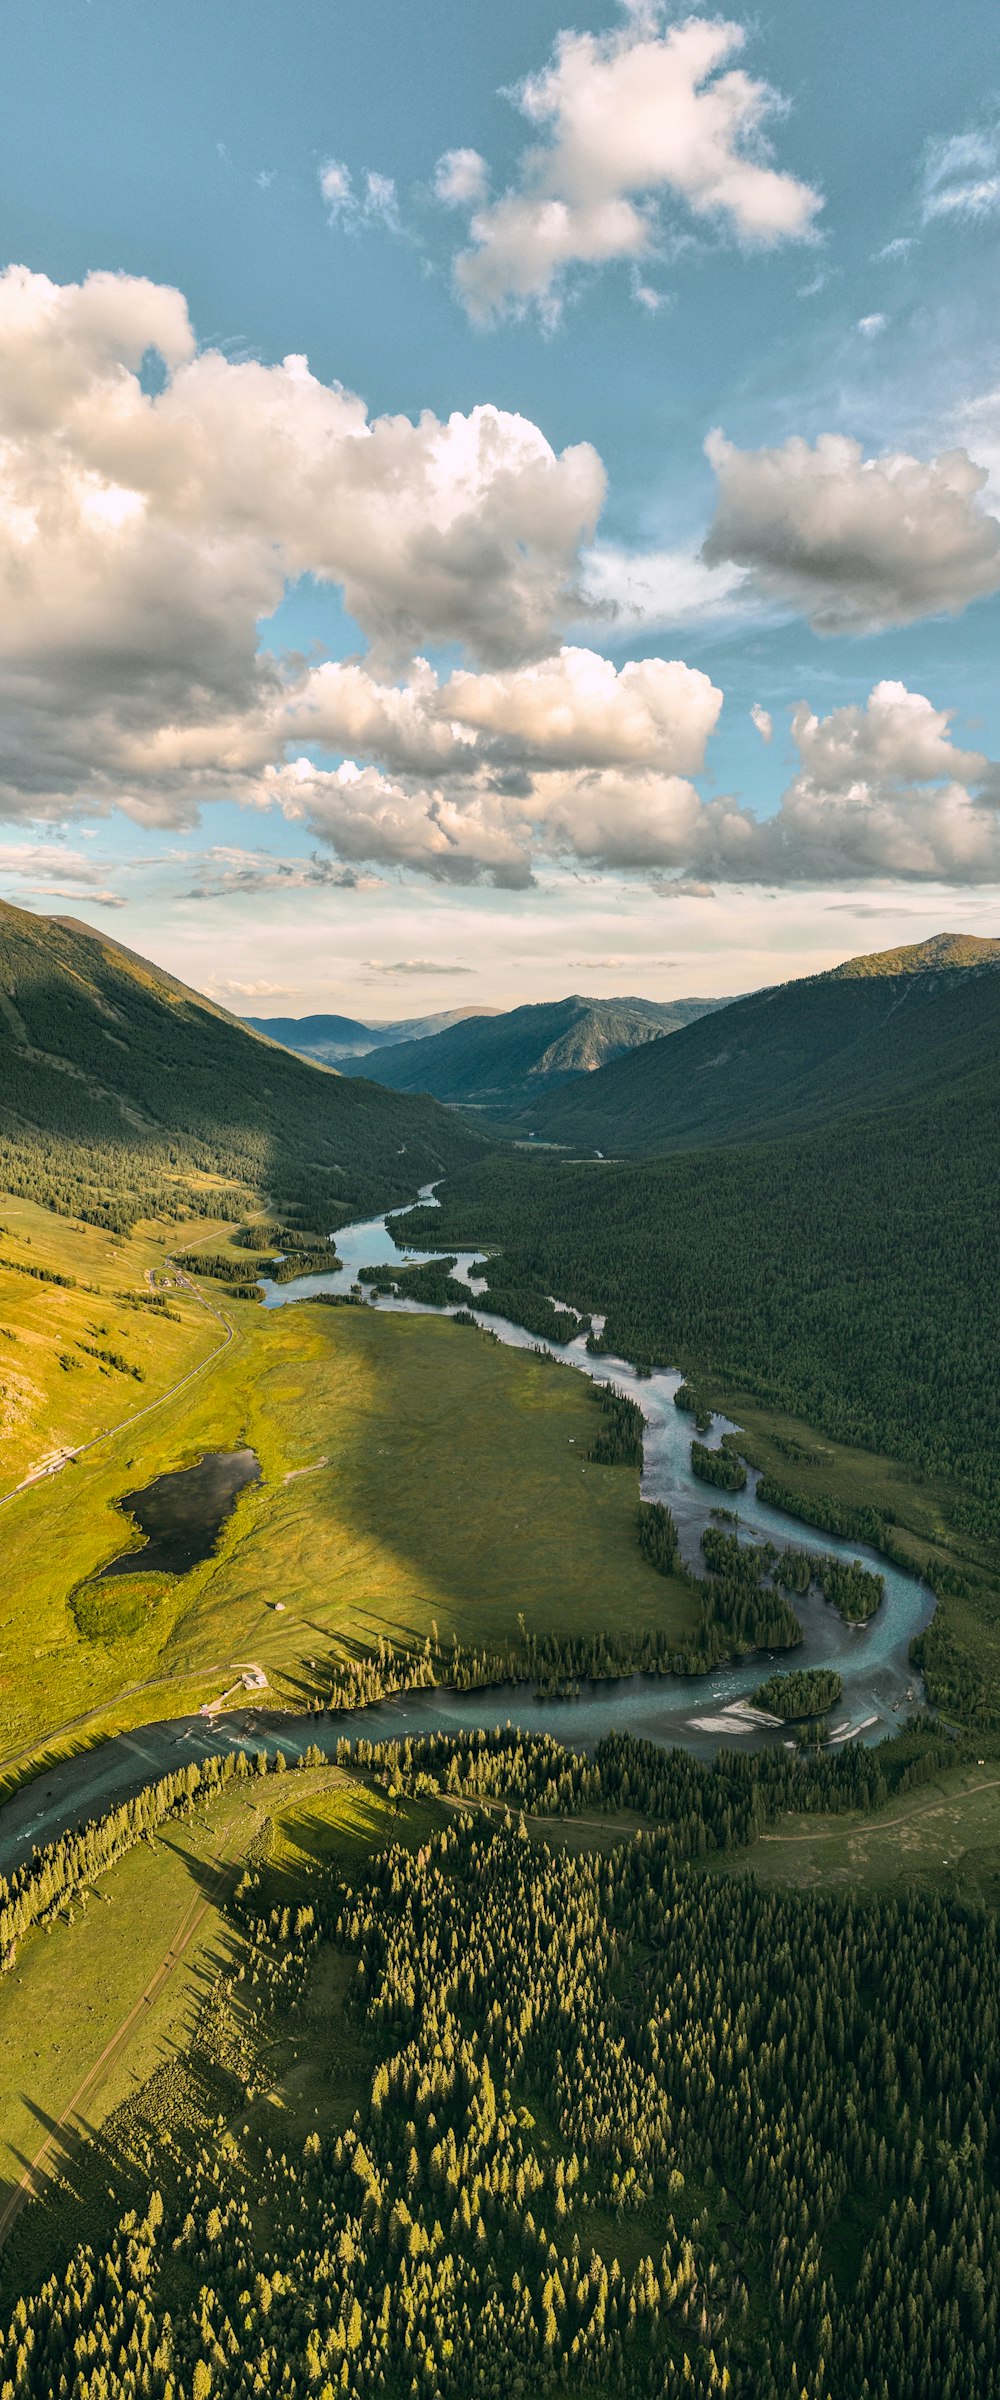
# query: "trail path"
{"type": "Point", "coordinates": [864, 1827]}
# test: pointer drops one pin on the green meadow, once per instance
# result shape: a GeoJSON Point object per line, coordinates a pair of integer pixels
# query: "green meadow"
{"type": "Point", "coordinates": [413, 1474]}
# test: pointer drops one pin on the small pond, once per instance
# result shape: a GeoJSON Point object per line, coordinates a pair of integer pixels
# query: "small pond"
{"type": "Point", "coordinates": [182, 1514]}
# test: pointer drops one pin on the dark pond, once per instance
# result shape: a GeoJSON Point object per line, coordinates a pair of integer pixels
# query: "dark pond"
{"type": "Point", "coordinates": [181, 1514]}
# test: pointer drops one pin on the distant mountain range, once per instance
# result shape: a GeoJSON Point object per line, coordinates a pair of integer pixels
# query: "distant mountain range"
{"type": "Point", "coordinates": [797, 1054]}
{"type": "Point", "coordinates": [332, 1039]}
{"type": "Point", "coordinates": [122, 1092]}
{"type": "Point", "coordinates": [502, 1064]}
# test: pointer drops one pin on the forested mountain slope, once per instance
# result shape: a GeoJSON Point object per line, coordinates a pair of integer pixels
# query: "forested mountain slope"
{"type": "Point", "coordinates": [796, 1054]}
{"type": "Point", "coordinates": [502, 1063]}
{"type": "Point", "coordinates": [122, 1091]}
{"type": "Point", "coordinates": [333, 1039]}
{"type": "Point", "coordinates": [849, 1275]}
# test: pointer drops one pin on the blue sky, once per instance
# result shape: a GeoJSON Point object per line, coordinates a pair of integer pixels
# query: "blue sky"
{"type": "Point", "coordinates": [782, 226]}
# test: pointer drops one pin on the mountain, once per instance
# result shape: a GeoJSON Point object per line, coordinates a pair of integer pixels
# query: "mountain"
{"type": "Point", "coordinates": [793, 1055]}
{"type": "Point", "coordinates": [919, 958]}
{"type": "Point", "coordinates": [121, 1092]}
{"type": "Point", "coordinates": [504, 1063]}
{"type": "Point", "coordinates": [332, 1039]}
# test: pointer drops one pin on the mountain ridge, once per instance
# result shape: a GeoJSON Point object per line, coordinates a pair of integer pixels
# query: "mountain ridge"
{"type": "Point", "coordinates": [124, 1093]}
{"type": "Point", "coordinates": [497, 1064]}
{"type": "Point", "coordinates": [792, 1055]}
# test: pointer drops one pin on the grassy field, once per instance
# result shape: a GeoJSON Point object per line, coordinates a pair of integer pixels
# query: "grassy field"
{"type": "Point", "coordinates": [56, 1390]}
{"type": "Point", "coordinates": [943, 1837]}
{"type": "Point", "coordinates": [413, 1473]}
{"type": "Point", "coordinates": [77, 2032]}
{"type": "Point", "coordinates": [91, 2072]}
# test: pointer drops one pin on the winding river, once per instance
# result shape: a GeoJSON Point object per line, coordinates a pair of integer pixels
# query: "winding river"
{"type": "Point", "coordinates": [700, 1712]}
{"type": "Point", "coordinates": [872, 1660]}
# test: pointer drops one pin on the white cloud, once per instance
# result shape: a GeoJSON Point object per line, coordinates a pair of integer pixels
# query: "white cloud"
{"type": "Point", "coordinates": [380, 199]}
{"type": "Point", "coordinates": [51, 871]}
{"type": "Point", "coordinates": [977, 423]}
{"type": "Point", "coordinates": [871, 327]}
{"type": "Point", "coordinates": [460, 178]}
{"type": "Point", "coordinates": [229, 873]}
{"type": "Point", "coordinates": [374, 819]}
{"type": "Point", "coordinates": [652, 110]}
{"type": "Point", "coordinates": [657, 587]}
{"type": "Point", "coordinates": [579, 710]}
{"type": "Point", "coordinates": [763, 720]}
{"type": "Point", "coordinates": [880, 791]}
{"type": "Point", "coordinates": [378, 204]}
{"type": "Point", "coordinates": [415, 966]}
{"type": "Point", "coordinates": [336, 187]}
{"type": "Point", "coordinates": [571, 709]}
{"type": "Point", "coordinates": [854, 543]}
{"type": "Point", "coordinates": [143, 537]}
{"type": "Point", "coordinates": [962, 176]}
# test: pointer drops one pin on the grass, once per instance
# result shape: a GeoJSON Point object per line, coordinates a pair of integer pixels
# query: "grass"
{"type": "Point", "coordinates": [448, 1485]}
{"type": "Point", "coordinates": [942, 1837]}
{"type": "Point", "coordinates": [916, 1506]}
{"type": "Point", "coordinates": [55, 1393]}
{"type": "Point", "coordinates": [76, 1986]}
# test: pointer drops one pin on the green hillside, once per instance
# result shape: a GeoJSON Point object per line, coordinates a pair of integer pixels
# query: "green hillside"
{"type": "Point", "coordinates": [121, 1092]}
{"type": "Point", "coordinates": [506, 1063]}
{"type": "Point", "coordinates": [794, 1055]}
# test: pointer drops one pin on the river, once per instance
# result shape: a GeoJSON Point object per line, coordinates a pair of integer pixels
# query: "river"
{"type": "Point", "coordinates": [700, 1712]}
{"type": "Point", "coordinates": [872, 1660]}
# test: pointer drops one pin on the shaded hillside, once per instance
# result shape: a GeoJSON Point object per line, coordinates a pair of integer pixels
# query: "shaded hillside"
{"type": "Point", "coordinates": [797, 1054]}
{"type": "Point", "coordinates": [332, 1039]}
{"type": "Point", "coordinates": [503, 1063]}
{"type": "Point", "coordinates": [849, 1275]}
{"type": "Point", "coordinates": [122, 1091]}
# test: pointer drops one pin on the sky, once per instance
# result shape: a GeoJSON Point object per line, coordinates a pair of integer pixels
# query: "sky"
{"type": "Point", "coordinates": [496, 503]}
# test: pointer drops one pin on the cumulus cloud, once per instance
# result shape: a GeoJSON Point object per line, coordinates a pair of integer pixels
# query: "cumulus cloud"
{"type": "Point", "coordinates": [962, 176]}
{"type": "Point", "coordinates": [855, 543]}
{"type": "Point", "coordinates": [144, 535]}
{"type": "Point", "coordinates": [579, 710]}
{"type": "Point", "coordinates": [880, 791]}
{"type": "Point", "coordinates": [763, 721]}
{"type": "Point", "coordinates": [627, 119]}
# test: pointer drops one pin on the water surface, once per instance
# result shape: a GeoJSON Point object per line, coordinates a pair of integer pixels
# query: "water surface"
{"type": "Point", "coordinates": [182, 1514]}
{"type": "Point", "coordinates": [880, 1686]}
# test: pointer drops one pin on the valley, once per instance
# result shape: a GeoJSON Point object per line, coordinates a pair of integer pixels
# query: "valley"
{"type": "Point", "coordinates": [464, 1687]}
